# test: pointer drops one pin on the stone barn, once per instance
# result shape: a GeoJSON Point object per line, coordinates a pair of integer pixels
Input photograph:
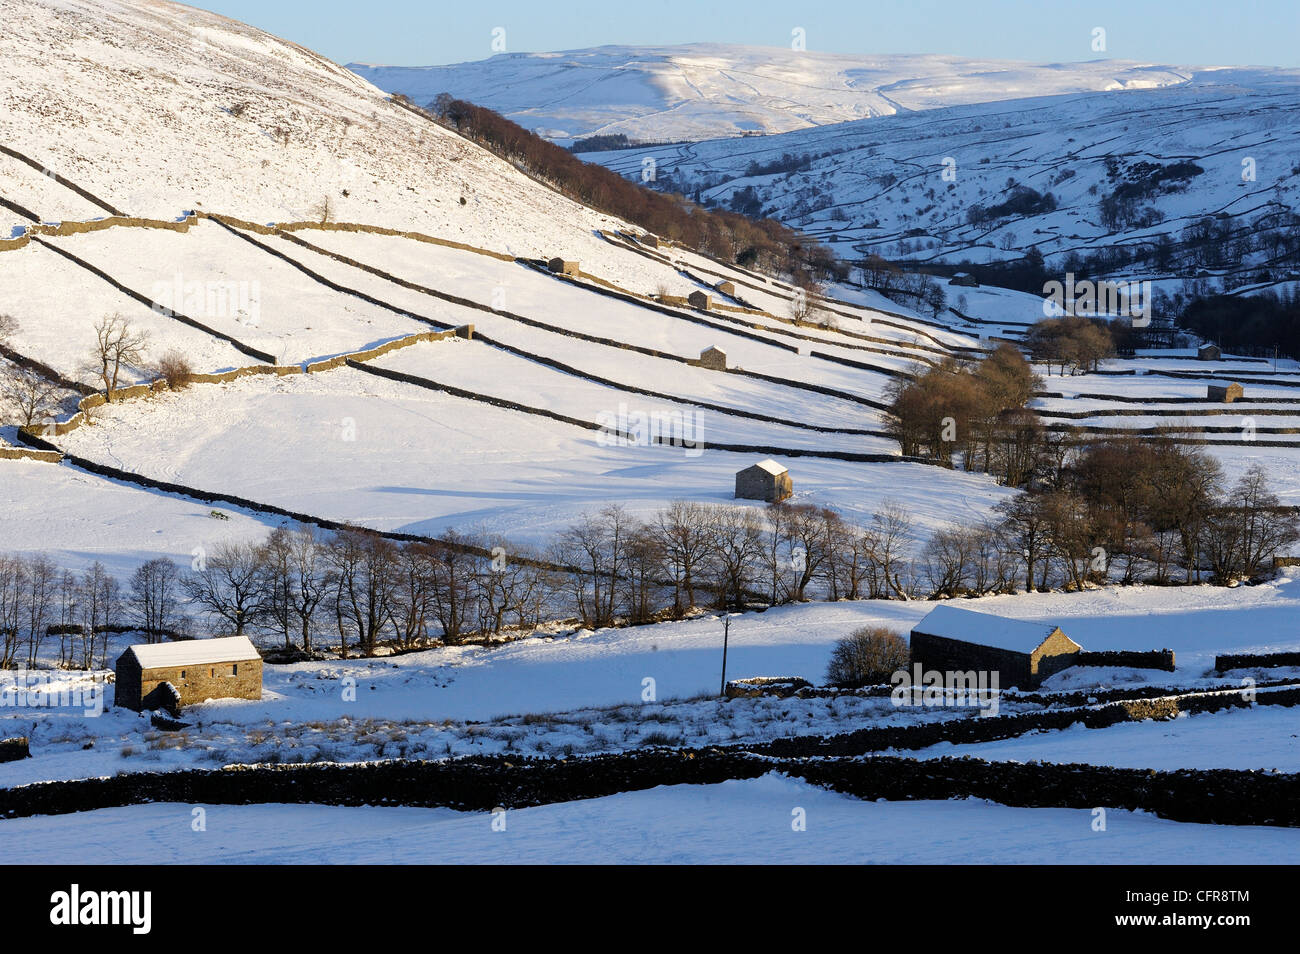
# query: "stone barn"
{"type": "Point", "coordinates": [964, 280]}
{"type": "Point", "coordinates": [1225, 394]}
{"type": "Point", "coordinates": [726, 288]}
{"type": "Point", "coordinates": [560, 267]}
{"type": "Point", "coordinates": [766, 480]}
{"type": "Point", "coordinates": [650, 241]}
{"type": "Point", "coordinates": [170, 675]}
{"type": "Point", "coordinates": [1023, 654]}
{"type": "Point", "coordinates": [1209, 352]}
{"type": "Point", "coordinates": [700, 300]}
{"type": "Point", "coordinates": [715, 359]}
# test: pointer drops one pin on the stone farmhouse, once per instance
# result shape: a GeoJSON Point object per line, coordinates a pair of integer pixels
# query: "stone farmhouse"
{"type": "Point", "coordinates": [766, 480]}
{"type": "Point", "coordinates": [1023, 653]}
{"type": "Point", "coordinates": [171, 675]}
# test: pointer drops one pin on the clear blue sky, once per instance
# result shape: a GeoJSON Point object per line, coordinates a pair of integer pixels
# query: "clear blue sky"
{"type": "Point", "coordinates": [428, 32]}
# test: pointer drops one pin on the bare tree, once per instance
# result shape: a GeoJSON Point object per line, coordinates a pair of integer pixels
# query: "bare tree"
{"type": "Point", "coordinates": [27, 396]}
{"type": "Point", "coordinates": [117, 343]}
{"type": "Point", "coordinates": [153, 600]}
{"type": "Point", "coordinates": [684, 542]}
{"type": "Point", "coordinates": [11, 602]}
{"type": "Point", "coordinates": [364, 563]}
{"type": "Point", "coordinates": [735, 551]}
{"type": "Point", "coordinates": [100, 602]}
{"type": "Point", "coordinates": [454, 586]}
{"type": "Point", "coordinates": [230, 585]}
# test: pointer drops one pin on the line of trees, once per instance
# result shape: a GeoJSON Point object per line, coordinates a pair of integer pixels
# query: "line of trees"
{"type": "Point", "coordinates": [40, 602]}
{"type": "Point", "coordinates": [977, 410]}
{"type": "Point", "coordinates": [1074, 342]}
{"type": "Point", "coordinates": [1124, 511]}
{"type": "Point", "coordinates": [763, 244]}
{"type": "Point", "coordinates": [357, 588]}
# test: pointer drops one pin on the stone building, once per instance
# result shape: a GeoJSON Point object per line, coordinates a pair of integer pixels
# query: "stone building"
{"type": "Point", "coordinates": [766, 480]}
{"type": "Point", "coordinates": [726, 288]}
{"type": "Point", "coordinates": [171, 675]}
{"type": "Point", "coordinates": [560, 267]}
{"type": "Point", "coordinates": [1224, 394]}
{"type": "Point", "coordinates": [964, 280]}
{"type": "Point", "coordinates": [1209, 352]}
{"type": "Point", "coordinates": [700, 300]}
{"type": "Point", "coordinates": [650, 241]}
{"type": "Point", "coordinates": [1023, 654]}
{"type": "Point", "coordinates": [714, 358]}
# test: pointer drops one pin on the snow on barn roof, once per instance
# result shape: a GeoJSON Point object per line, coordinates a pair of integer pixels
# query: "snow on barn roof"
{"type": "Point", "coordinates": [984, 629]}
{"type": "Point", "coordinates": [771, 466]}
{"type": "Point", "coordinates": [194, 652]}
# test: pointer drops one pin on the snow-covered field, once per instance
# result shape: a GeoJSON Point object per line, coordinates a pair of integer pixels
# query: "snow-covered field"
{"type": "Point", "coordinates": [736, 822]}
{"type": "Point", "coordinates": [157, 110]}
{"type": "Point", "coordinates": [582, 692]}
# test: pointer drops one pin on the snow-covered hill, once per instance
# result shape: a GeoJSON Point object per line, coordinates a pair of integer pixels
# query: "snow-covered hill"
{"type": "Point", "coordinates": [155, 108]}
{"type": "Point", "coordinates": [928, 186]}
{"type": "Point", "coordinates": [707, 90]}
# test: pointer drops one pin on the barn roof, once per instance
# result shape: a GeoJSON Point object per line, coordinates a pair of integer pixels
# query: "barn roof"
{"type": "Point", "coordinates": [984, 629]}
{"type": "Point", "coordinates": [194, 652]}
{"type": "Point", "coordinates": [771, 466]}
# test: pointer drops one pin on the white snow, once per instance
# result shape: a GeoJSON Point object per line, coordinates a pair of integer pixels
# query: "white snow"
{"type": "Point", "coordinates": [736, 822]}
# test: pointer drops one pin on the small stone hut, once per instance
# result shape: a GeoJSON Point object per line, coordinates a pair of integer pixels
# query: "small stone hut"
{"type": "Point", "coordinates": [170, 675]}
{"type": "Point", "coordinates": [1225, 394]}
{"type": "Point", "coordinates": [964, 280]}
{"type": "Point", "coordinates": [650, 241]}
{"type": "Point", "coordinates": [700, 300]}
{"type": "Point", "coordinates": [726, 288]}
{"type": "Point", "coordinates": [1209, 352]}
{"type": "Point", "coordinates": [767, 480]}
{"type": "Point", "coordinates": [1023, 654]}
{"type": "Point", "coordinates": [714, 358]}
{"type": "Point", "coordinates": [561, 267]}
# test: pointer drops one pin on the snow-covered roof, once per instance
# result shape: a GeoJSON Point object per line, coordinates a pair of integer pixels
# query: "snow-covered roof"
{"type": "Point", "coordinates": [984, 629]}
{"type": "Point", "coordinates": [194, 652]}
{"type": "Point", "coordinates": [771, 466]}
{"type": "Point", "coordinates": [713, 349]}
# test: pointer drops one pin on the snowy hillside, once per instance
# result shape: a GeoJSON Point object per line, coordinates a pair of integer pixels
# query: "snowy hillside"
{"type": "Point", "coordinates": [707, 90]}
{"type": "Point", "coordinates": [155, 109]}
{"type": "Point", "coordinates": [170, 109]}
{"type": "Point", "coordinates": [947, 186]}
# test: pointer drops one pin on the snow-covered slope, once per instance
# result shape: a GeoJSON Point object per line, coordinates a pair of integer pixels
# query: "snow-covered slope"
{"type": "Point", "coordinates": [905, 185]}
{"type": "Point", "coordinates": [705, 90]}
{"type": "Point", "coordinates": [155, 108]}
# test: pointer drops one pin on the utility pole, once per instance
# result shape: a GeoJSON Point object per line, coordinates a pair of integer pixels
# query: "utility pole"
{"type": "Point", "coordinates": [726, 636]}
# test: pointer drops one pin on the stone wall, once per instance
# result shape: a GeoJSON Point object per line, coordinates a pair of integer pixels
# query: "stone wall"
{"type": "Point", "coordinates": [480, 784]}
{"type": "Point", "coordinates": [1255, 661]}
{"type": "Point", "coordinates": [1162, 659]}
